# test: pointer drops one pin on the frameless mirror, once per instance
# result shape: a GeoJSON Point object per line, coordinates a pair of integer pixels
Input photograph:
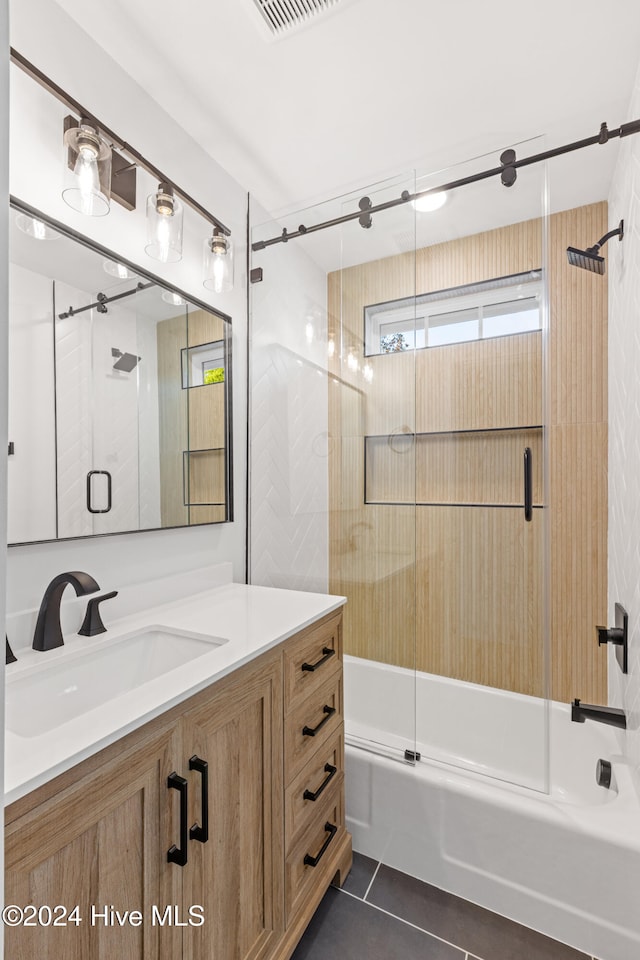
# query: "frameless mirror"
{"type": "Point", "coordinates": [119, 394]}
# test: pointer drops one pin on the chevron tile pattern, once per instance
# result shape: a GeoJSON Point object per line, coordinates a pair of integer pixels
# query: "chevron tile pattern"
{"type": "Point", "coordinates": [623, 265]}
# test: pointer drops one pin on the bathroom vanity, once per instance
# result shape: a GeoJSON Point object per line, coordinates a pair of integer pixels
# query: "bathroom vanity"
{"type": "Point", "coordinates": [211, 826]}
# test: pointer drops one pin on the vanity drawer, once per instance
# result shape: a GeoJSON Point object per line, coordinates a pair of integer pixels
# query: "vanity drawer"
{"type": "Point", "coordinates": [310, 724]}
{"type": "Point", "coordinates": [307, 792]}
{"type": "Point", "coordinates": [311, 658]}
{"type": "Point", "coordinates": [310, 855]}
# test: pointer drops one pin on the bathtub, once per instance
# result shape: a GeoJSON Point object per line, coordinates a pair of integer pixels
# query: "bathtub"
{"type": "Point", "coordinates": [488, 812]}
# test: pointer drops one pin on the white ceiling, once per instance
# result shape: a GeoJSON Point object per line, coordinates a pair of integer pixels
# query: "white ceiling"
{"type": "Point", "coordinates": [378, 87]}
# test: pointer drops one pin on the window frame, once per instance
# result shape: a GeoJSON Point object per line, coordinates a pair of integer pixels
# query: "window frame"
{"type": "Point", "coordinates": [412, 310]}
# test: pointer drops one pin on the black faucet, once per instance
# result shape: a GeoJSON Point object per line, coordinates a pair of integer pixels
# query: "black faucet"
{"type": "Point", "coordinates": [588, 711]}
{"type": "Point", "coordinates": [48, 633]}
{"type": "Point", "coordinates": [10, 656]}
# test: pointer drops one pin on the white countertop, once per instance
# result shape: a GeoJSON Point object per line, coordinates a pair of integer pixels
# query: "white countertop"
{"type": "Point", "coordinates": [251, 619]}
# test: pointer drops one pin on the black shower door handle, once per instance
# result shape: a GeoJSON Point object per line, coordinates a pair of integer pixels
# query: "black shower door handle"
{"type": "Point", "coordinates": [102, 473]}
{"type": "Point", "coordinates": [528, 485]}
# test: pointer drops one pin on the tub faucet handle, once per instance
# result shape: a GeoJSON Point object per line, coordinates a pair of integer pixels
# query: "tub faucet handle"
{"type": "Point", "coordinates": [618, 636]}
{"type": "Point", "coordinates": [610, 635]}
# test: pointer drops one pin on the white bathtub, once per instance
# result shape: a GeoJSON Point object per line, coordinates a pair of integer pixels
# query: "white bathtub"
{"type": "Point", "coordinates": [559, 854]}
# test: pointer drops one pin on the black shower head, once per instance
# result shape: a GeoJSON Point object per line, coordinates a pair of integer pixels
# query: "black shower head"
{"type": "Point", "coordinates": [590, 259]}
{"type": "Point", "coordinates": [125, 361]}
{"type": "Point", "coordinates": [587, 259]}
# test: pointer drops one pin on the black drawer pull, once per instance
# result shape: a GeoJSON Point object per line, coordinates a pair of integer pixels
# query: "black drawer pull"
{"type": "Point", "coordinates": [311, 731]}
{"type": "Point", "coordinates": [179, 854]}
{"type": "Point", "coordinates": [196, 832]}
{"type": "Point", "coordinates": [327, 653]}
{"type": "Point", "coordinates": [310, 861]}
{"type": "Point", "coordinates": [331, 770]}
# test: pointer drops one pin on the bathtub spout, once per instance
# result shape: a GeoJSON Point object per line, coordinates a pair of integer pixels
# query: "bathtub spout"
{"type": "Point", "coordinates": [589, 711]}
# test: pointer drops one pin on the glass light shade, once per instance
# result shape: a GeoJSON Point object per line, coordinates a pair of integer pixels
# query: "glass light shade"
{"type": "Point", "coordinates": [218, 263]}
{"type": "Point", "coordinates": [87, 171]}
{"type": "Point", "coordinates": [173, 298]}
{"type": "Point", "coordinates": [164, 226]}
{"type": "Point", "coordinates": [35, 228]}
{"type": "Point", "coordinates": [118, 270]}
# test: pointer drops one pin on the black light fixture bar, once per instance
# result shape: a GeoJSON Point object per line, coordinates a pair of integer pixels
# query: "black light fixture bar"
{"type": "Point", "coordinates": [72, 104]}
{"type": "Point", "coordinates": [103, 300]}
{"type": "Point", "coordinates": [624, 130]}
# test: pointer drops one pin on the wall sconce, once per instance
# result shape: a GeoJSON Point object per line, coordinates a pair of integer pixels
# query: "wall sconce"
{"type": "Point", "coordinates": [218, 262]}
{"type": "Point", "coordinates": [88, 170]}
{"type": "Point", "coordinates": [164, 225]}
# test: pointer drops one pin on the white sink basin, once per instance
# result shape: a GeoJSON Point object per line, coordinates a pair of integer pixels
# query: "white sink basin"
{"type": "Point", "coordinates": [41, 700]}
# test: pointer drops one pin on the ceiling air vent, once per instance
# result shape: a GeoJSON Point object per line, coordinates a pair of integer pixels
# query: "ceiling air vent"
{"type": "Point", "coordinates": [282, 17]}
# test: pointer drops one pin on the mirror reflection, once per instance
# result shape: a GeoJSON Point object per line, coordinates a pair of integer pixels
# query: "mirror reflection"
{"type": "Point", "coordinates": [119, 395]}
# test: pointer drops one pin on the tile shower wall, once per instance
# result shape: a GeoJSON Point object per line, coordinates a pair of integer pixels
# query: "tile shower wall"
{"type": "Point", "coordinates": [288, 426]}
{"type": "Point", "coordinates": [623, 265]}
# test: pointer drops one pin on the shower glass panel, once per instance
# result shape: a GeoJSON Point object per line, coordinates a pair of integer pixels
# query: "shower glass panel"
{"type": "Point", "coordinates": [481, 442]}
{"type": "Point", "coordinates": [398, 404]}
{"type": "Point", "coordinates": [316, 397]}
{"type": "Point", "coordinates": [114, 411]}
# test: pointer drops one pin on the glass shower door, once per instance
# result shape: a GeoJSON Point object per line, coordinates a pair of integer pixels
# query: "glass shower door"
{"type": "Point", "coordinates": [331, 426]}
{"type": "Point", "coordinates": [480, 466]}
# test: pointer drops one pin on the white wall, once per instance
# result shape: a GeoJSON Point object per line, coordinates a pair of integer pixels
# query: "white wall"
{"type": "Point", "coordinates": [4, 300]}
{"type": "Point", "coordinates": [44, 34]}
{"type": "Point", "coordinates": [31, 470]}
{"type": "Point", "coordinates": [623, 265]}
{"type": "Point", "coordinates": [288, 429]}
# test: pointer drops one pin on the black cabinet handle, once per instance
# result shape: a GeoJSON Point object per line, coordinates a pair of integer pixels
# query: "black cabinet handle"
{"type": "Point", "coordinates": [196, 832]}
{"type": "Point", "coordinates": [179, 854]}
{"type": "Point", "coordinates": [327, 653]}
{"type": "Point", "coordinates": [103, 473]}
{"type": "Point", "coordinates": [528, 485]}
{"type": "Point", "coordinates": [311, 731]}
{"type": "Point", "coordinates": [310, 861]}
{"type": "Point", "coordinates": [331, 770]}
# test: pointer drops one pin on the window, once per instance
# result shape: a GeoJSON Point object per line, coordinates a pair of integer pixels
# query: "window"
{"type": "Point", "coordinates": [497, 308]}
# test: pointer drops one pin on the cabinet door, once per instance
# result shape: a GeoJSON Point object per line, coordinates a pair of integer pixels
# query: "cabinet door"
{"type": "Point", "coordinates": [237, 874]}
{"type": "Point", "coordinates": [101, 842]}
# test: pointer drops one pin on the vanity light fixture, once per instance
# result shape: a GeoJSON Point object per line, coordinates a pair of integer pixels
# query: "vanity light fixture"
{"type": "Point", "coordinates": [101, 166]}
{"type": "Point", "coordinates": [87, 170]}
{"type": "Point", "coordinates": [218, 262]}
{"type": "Point", "coordinates": [164, 225]}
{"type": "Point", "coordinates": [118, 270]}
{"type": "Point", "coordinates": [35, 228]}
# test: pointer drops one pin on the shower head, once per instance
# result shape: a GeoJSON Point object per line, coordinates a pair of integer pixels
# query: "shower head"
{"type": "Point", "coordinates": [587, 259]}
{"type": "Point", "coordinates": [590, 259]}
{"type": "Point", "coordinates": [125, 361]}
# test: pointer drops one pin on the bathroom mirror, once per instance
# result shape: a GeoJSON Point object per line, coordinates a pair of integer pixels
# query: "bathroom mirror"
{"type": "Point", "coordinates": [119, 394]}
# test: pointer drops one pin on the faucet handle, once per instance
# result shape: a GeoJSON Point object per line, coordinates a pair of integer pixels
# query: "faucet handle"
{"type": "Point", "coordinates": [610, 635]}
{"type": "Point", "coordinates": [92, 623]}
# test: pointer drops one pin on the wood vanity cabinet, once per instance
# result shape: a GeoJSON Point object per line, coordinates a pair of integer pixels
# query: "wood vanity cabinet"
{"type": "Point", "coordinates": [99, 835]}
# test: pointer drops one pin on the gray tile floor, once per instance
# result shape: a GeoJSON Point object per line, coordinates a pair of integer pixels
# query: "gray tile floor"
{"type": "Point", "coordinates": [382, 914]}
